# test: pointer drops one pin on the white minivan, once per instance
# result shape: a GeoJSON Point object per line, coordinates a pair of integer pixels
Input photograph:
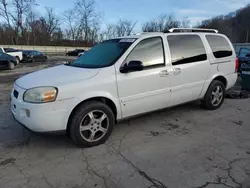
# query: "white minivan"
{"type": "Point", "coordinates": [124, 77]}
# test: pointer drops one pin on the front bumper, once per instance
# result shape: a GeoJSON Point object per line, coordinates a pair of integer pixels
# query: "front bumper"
{"type": "Point", "coordinates": [47, 117]}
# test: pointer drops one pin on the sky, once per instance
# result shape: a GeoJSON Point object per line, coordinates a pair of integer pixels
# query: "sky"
{"type": "Point", "coordinates": [144, 10]}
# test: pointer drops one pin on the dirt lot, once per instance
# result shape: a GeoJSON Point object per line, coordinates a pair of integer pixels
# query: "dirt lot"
{"type": "Point", "coordinates": [181, 147]}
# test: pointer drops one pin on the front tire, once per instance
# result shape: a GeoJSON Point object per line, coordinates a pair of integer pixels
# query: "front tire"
{"type": "Point", "coordinates": [214, 96]}
{"type": "Point", "coordinates": [17, 60]}
{"type": "Point", "coordinates": [11, 65]}
{"type": "Point", "coordinates": [91, 124]}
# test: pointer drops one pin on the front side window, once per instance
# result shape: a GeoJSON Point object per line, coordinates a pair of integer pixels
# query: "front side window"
{"type": "Point", "coordinates": [149, 52]}
{"type": "Point", "coordinates": [219, 46]}
{"type": "Point", "coordinates": [244, 52]}
{"type": "Point", "coordinates": [186, 49]}
{"type": "Point", "coordinates": [32, 53]}
{"type": "Point", "coordinates": [103, 54]}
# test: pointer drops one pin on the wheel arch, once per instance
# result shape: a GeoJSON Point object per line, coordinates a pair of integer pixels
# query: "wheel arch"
{"type": "Point", "coordinates": [17, 57]}
{"type": "Point", "coordinates": [219, 77]}
{"type": "Point", "coordinates": [110, 103]}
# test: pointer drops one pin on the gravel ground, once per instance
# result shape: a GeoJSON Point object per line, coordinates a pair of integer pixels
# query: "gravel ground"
{"type": "Point", "coordinates": [180, 147]}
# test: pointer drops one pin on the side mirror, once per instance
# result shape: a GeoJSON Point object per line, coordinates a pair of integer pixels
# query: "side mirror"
{"type": "Point", "coordinates": [131, 67]}
{"type": "Point", "coordinates": [248, 55]}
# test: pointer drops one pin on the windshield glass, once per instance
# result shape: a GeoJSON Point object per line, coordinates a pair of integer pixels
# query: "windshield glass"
{"type": "Point", "coordinates": [103, 54]}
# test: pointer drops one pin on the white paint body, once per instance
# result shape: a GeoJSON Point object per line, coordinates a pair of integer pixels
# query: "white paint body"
{"type": "Point", "coordinates": [132, 93]}
{"type": "Point", "coordinates": [14, 54]}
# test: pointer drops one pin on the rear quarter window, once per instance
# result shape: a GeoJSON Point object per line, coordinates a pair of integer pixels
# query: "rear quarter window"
{"type": "Point", "coordinates": [220, 46]}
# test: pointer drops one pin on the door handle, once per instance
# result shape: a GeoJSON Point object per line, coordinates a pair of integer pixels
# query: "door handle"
{"type": "Point", "coordinates": [177, 71]}
{"type": "Point", "coordinates": [164, 73]}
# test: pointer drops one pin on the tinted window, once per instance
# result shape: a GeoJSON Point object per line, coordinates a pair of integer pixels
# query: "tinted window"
{"type": "Point", "coordinates": [219, 46]}
{"type": "Point", "coordinates": [9, 50]}
{"type": "Point", "coordinates": [149, 52]}
{"type": "Point", "coordinates": [244, 52]}
{"type": "Point", "coordinates": [186, 49]}
{"type": "Point", "coordinates": [103, 54]}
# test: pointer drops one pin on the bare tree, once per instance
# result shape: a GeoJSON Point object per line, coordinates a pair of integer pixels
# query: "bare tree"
{"type": "Point", "coordinates": [4, 12]}
{"type": "Point", "coordinates": [109, 32]}
{"type": "Point", "coordinates": [88, 17]}
{"type": "Point", "coordinates": [30, 19]}
{"type": "Point", "coordinates": [185, 23]}
{"type": "Point", "coordinates": [21, 9]}
{"type": "Point", "coordinates": [121, 28]}
{"type": "Point", "coordinates": [51, 20]}
{"type": "Point", "coordinates": [162, 24]}
{"type": "Point", "coordinates": [71, 23]}
{"type": "Point", "coordinates": [125, 27]}
{"type": "Point", "coordinates": [83, 22]}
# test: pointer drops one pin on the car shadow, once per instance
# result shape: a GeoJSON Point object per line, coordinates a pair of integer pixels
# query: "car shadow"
{"type": "Point", "coordinates": [52, 141]}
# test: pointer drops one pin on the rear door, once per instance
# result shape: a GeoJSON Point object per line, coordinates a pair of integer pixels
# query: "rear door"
{"type": "Point", "coordinates": [190, 67]}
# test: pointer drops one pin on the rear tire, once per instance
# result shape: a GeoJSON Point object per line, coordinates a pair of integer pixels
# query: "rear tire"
{"type": "Point", "coordinates": [96, 121]}
{"type": "Point", "coordinates": [214, 96]}
{"type": "Point", "coordinates": [11, 65]}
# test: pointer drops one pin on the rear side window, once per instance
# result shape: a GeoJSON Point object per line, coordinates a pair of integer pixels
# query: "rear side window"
{"type": "Point", "coordinates": [186, 49]}
{"type": "Point", "coordinates": [219, 46]}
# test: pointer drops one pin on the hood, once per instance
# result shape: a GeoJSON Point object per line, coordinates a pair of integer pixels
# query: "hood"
{"type": "Point", "coordinates": [55, 76]}
{"type": "Point", "coordinates": [7, 57]}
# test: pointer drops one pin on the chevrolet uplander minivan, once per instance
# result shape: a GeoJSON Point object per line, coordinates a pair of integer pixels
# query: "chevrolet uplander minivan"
{"type": "Point", "coordinates": [124, 77]}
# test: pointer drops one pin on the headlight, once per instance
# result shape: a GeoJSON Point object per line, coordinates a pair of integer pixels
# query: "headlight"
{"type": "Point", "coordinates": [40, 95]}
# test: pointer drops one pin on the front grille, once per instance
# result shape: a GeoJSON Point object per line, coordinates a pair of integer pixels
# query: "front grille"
{"type": "Point", "coordinates": [15, 93]}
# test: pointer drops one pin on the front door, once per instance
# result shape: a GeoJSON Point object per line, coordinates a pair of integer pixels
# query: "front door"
{"type": "Point", "coordinates": [190, 67]}
{"type": "Point", "coordinates": [3, 60]}
{"type": "Point", "coordinates": [146, 90]}
{"type": "Point", "coordinates": [39, 56]}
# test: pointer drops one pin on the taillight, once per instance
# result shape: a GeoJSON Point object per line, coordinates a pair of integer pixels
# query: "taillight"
{"type": "Point", "coordinates": [237, 64]}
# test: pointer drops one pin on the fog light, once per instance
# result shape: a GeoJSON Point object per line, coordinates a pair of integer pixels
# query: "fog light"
{"type": "Point", "coordinates": [27, 113]}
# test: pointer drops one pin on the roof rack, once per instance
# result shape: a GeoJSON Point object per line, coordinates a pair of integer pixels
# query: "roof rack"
{"type": "Point", "coordinates": [142, 33]}
{"type": "Point", "coordinates": [192, 30]}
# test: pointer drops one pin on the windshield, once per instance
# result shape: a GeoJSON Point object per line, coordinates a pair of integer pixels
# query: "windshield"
{"type": "Point", "coordinates": [103, 54]}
